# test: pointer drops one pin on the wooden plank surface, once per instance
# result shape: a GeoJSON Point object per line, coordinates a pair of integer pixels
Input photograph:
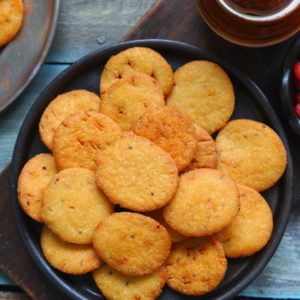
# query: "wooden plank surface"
{"type": "Point", "coordinates": [84, 26]}
{"type": "Point", "coordinates": [13, 296]}
{"type": "Point", "coordinates": [82, 22]}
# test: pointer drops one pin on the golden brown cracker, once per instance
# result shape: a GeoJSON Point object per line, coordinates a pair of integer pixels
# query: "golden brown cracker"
{"type": "Point", "coordinates": [196, 266]}
{"type": "Point", "coordinates": [137, 59]}
{"type": "Point", "coordinates": [33, 179]}
{"type": "Point", "coordinates": [252, 228]}
{"type": "Point", "coordinates": [206, 154]}
{"type": "Point", "coordinates": [172, 130]}
{"type": "Point", "coordinates": [132, 243]}
{"type": "Point", "coordinates": [81, 137]}
{"type": "Point", "coordinates": [129, 98]}
{"type": "Point", "coordinates": [67, 257]}
{"type": "Point", "coordinates": [205, 93]}
{"type": "Point", "coordinates": [115, 286]}
{"type": "Point", "coordinates": [11, 17]}
{"type": "Point", "coordinates": [251, 153]}
{"type": "Point", "coordinates": [73, 205]}
{"type": "Point", "coordinates": [137, 174]}
{"type": "Point", "coordinates": [63, 106]}
{"type": "Point", "coordinates": [206, 202]}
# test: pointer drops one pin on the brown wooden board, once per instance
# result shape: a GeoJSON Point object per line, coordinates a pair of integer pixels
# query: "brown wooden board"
{"type": "Point", "coordinates": [170, 19]}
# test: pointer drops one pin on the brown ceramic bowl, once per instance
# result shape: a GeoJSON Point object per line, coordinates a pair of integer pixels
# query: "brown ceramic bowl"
{"type": "Point", "coordinates": [249, 29]}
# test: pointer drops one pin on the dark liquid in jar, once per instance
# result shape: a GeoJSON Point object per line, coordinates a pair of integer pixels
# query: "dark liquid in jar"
{"type": "Point", "coordinates": [258, 7]}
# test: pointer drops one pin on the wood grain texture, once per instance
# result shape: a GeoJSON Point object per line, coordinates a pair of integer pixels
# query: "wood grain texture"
{"type": "Point", "coordinates": [85, 26]}
{"type": "Point", "coordinates": [13, 296]}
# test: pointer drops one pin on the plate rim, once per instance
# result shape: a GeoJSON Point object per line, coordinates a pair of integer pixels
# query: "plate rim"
{"type": "Point", "coordinates": [41, 58]}
{"type": "Point", "coordinates": [176, 46]}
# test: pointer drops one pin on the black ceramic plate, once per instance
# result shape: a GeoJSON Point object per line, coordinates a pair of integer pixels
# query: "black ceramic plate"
{"type": "Point", "coordinates": [21, 59]}
{"type": "Point", "coordinates": [250, 103]}
{"type": "Point", "coordinates": [288, 88]}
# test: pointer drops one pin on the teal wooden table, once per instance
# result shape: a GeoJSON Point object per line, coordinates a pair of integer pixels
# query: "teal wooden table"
{"type": "Point", "coordinates": [85, 26]}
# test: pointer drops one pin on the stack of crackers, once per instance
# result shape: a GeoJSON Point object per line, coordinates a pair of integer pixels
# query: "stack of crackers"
{"type": "Point", "coordinates": [136, 188]}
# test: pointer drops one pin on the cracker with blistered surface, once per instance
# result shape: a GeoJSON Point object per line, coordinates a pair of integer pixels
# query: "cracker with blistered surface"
{"type": "Point", "coordinates": [206, 154]}
{"type": "Point", "coordinates": [251, 153]}
{"type": "Point", "coordinates": [73, 205]}
{"type": "Point", "coordinates": [66, 257]}
{"type": "Point", "coordinates": [132, 243]}
{"type": "Point", "coordinates": [205, 93]}
{"type": "Point", "coordinates": [129, 98]}
{"type": "Point", "coordinates": [137, 174]}
{"type": "Point", "coordinates": [196, 266]}
{"type": "Point", "coordinates": [206, 202]}
{"type": "Point", "coordinates": [252, 228]}
{"type": "Point", "coordinates": [172, 130]}
{"type": "Point", "coordinates": [33, 179]}
{"type": "Point", "coordinates": [11, 17]}
{"type": "Point", "coordinates": [63, 106]}
{"type": "Point", "coordinates": [81, 137]}
{"type": "Point", "coordinates": [141, 60]}
{"type": "Point", "coordinates": [115, 286]}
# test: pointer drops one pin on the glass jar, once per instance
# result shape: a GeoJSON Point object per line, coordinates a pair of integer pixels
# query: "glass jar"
{"type": "Point", "coordinates": [253, 23]}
